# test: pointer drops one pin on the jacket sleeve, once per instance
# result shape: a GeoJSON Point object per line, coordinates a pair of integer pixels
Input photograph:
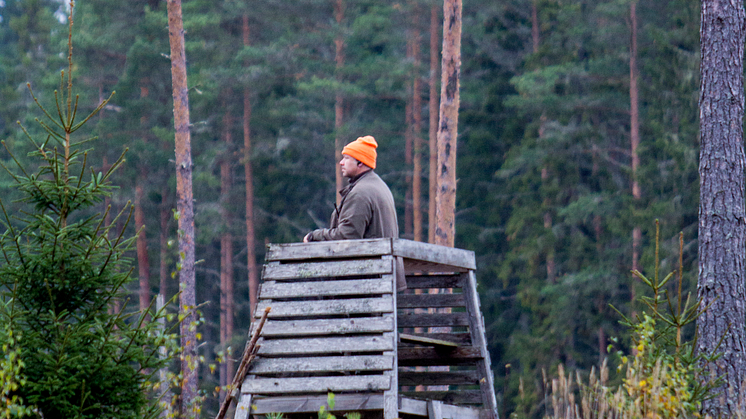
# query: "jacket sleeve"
{"type": "Point", "coordinates": [352, 221]}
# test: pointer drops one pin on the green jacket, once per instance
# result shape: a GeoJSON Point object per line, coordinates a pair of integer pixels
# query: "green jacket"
{"type": "Point", "coordinates": [366, 212]}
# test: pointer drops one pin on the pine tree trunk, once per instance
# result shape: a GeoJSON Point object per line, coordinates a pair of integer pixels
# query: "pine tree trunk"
{"type": "Point", "coordinates": [722, 228]}
{"type": "Point", "coordinates": [165, 214]}
{"type": "Point", "coordinates": [416, 128]}
{"type": "Point", "coordinates": [226, 249]}
{"type": "Point", "coordinates": [249, 179]}
{"type": "Point", "coordinates": [445, 194]}
{"type": "Point", "coordinates": [433, 123]}
{"type": "Point", "coordinates": [143, 264]}
{"type": "Point", "coordinates": [339, 59]}
{"type": "Point", "coordinates": [408, 161]}
{"type": "Point", "coordinates": [634, 133]}
{"type": "Point", "coordinates": [185, 208]}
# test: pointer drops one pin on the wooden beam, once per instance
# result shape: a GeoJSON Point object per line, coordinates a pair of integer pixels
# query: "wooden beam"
{"type": "Point", "coordinates": [430, 300]}
{"type": "Point", "coordinates": [420, 356]}
{"type": "Point", "coordinates": [421, 340]}
{"type": "Point", "coordinates": [457, 397]}
{"type": "Point", "coordinates": [329, 249]}
{"type": "Point", "coordinates": [434, 281]}
{"type": "Point", "coordinates": [361, 267]}
{"type": "Point", "coordinates": [318, 327]}
{"type": "Point", "coordinates": [316, 384]}
{"type": "Point", "coordinates": [322, 364]}
{"type": "Point", "coordinates": [311, 404]}
{"type": "Point", "coordinates": [440, 255]}
{"type": "Point", "coordinates": [333, 345]}
{"type": "Point", "coordinates": [277, 290]}
{"type": "Point", "coordinates": [430, 320]}
{"type": "Point", "coordinates": [282, 309]}
{"type": "Point", "coordinates": [432, 378]}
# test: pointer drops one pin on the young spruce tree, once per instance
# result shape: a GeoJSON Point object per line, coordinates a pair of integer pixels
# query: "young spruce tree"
{"type": "Point", "coordinates": [60, 274]}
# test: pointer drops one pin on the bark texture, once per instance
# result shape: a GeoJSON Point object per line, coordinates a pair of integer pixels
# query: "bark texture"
{"type": "Point", "coordinates": [339, 59]}
{"type": "Point", "coordinates": [249, 179]}
{"type": "Point", "coordinates": [433, 128]}
{"type": "Point", "coordinates": [226, 248]}
{"type": "Point", "coordinates": [445, 195]}
{"type": "Point", "coordinates": [416, 127]}
{"type": "Point", "coordinates": [185, 208]}
{"type": "Point", "coordinates": [634, 131]}
{"type": "Point", "coordinates": [721, 200]}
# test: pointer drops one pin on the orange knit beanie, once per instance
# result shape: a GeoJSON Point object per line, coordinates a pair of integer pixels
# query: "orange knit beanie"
{"type": "Point", "coordinates": [363, 149]}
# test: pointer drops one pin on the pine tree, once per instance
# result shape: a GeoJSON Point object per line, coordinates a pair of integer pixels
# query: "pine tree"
{"type": "Point", "coordinates": [60, 272]}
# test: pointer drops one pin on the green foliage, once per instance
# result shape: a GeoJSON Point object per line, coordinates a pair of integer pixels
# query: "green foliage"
{"type": "Point", "coordinates": [84, 355]}
{"type": "Point", "coordinates": [11, 371]}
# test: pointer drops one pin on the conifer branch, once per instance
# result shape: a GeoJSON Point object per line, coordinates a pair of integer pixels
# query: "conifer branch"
{"type": "Point", "coordinates": [13, 235]}
{"type": "Point", "coordinates": [57, 101]}
{"type": "Point", "coordinates": [28, 85]}
{"type": "Point", "coordinates": [93, 113]}
{"type": "Point", "coordinates": [119, 238]}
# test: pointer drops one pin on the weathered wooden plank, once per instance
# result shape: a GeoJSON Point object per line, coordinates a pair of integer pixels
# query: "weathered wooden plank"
{"type": "Point", "coordinates": [358, 267]}
{"type": "Point", "coordinates": [329, 249]}
{"type": "Point", "coordinates": [243, 407]}
{"type": "Point", "coordinates": [434, 409]}
{"type": "Point", "coordinates": [332, 345]}
{"type": "Point", "coordinates": [458, 397]}
{"type": "Point", "coordinates": [316, 384]}
{"type": "Point", "coordinates": [277, 290]}
{"type": "Point", "coordinates": [279, 328]}
{"type": "Point", "coordinates": [384, 304]}
{"type": "Point", "coordinates": [422, 340]}
{"type": "Point", "coordinates": [476, 327]}
{"type": "Point", "coordinates": [311, 404]}
{"type": "Point", "coordinates": [420, 408]}
{"type": "Point", "coordinates": [434, 281]}
{"type": "Point", "coordinates": [460, 339]}
{"type": "Point", "coordinates": [322, 364]}
{"type": "Point", "coordinates": [430, 300]}
{"type": "Point", "coordinates": [391, 396]}
{"type": "Point", "coordinates": [429, 320]}
{"type": "Point", "coordinates": [424, 356]}
{"type": "Point", "coordinates": [430, 378]}
{"type": "Point", "coordinates": [433, 253]}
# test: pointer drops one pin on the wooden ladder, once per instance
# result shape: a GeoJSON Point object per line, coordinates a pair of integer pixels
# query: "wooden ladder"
{"type": "Point", "coordinates": [338, 326]}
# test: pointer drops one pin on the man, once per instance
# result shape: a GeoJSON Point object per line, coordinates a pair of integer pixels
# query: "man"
{"type": "Point", "coordinates": [367, 208]}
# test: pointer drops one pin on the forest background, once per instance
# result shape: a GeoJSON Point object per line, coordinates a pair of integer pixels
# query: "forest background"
{"type": "Point", "coordinates": [554, 194]}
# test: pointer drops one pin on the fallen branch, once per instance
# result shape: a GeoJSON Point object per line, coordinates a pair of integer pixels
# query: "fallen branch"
{"type": "Point", "coordinates": [248, 355]}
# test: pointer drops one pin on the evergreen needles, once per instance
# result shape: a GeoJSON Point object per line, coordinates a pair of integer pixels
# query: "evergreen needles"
{"type": "Point", "coordinates": [84, 355]}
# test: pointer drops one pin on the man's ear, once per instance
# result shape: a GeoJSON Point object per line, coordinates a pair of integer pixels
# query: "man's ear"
{"type": "Point", "coordinates": [359, 163]}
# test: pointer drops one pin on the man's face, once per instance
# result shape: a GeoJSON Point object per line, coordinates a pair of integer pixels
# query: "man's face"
{"type": "Point", "coordinates": [350, 167]}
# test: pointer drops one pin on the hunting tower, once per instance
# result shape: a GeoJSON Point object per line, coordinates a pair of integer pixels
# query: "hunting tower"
{"type": "Point", "coordinates": [337, 324]}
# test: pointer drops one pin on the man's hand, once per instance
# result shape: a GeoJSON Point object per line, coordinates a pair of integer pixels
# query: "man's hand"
{"type": "Point", "coordinates": [305, 239]}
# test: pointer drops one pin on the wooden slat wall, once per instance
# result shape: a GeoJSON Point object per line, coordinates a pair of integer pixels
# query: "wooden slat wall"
{"type": "Point", "coordinates": [442, 306]}
{"type": "Point", "coordinates": [332, 327]}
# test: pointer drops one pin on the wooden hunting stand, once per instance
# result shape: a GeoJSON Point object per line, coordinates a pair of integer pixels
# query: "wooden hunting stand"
{"type": "Point", "coordinates": [338, 325]}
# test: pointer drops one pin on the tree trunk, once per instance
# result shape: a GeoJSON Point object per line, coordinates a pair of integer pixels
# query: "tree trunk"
{"type": "Point", "coordinates": [416, 128]}
{"type": "Point", "coordinates": [249, 179]}
{"type": "Point", "coordinates": [433, 121]}
{"type": "Point", "coordinates": [445, 195]}
{"type": "Point", "coordinates": [339, 59]}
{"type": "Point", "coordinates": [721, 201]}
{"type": "Point", "coordinates": [634, 132]}
{"type": "Point", "coordinates": [408, 161]}
{"type": "Point", "coordinates": [185, 208]}
{"type": "Point", "coordinates": [143, 264]}
{"type": "Point", "coordinates": [226, 249]}
{"type": "Point", "coordinates": [165, 215]}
